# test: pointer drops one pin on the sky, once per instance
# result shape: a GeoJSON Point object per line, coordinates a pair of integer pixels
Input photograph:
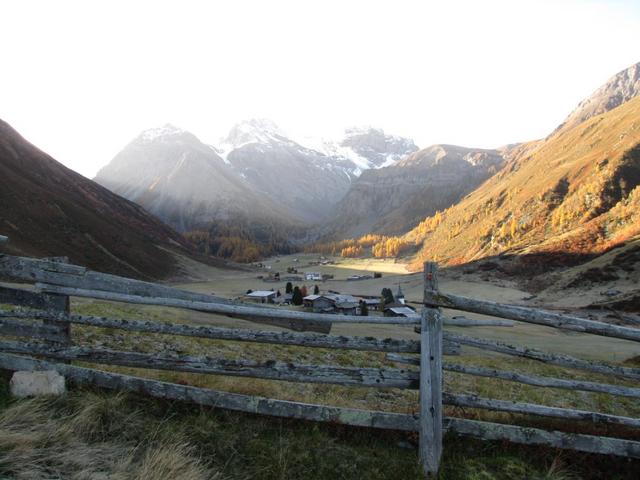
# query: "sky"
{"type": "Point", "coordinates": [81, 79]}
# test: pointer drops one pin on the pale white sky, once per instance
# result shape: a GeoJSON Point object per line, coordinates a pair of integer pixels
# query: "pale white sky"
{"type": "Point", "coordinates": [80, 79]}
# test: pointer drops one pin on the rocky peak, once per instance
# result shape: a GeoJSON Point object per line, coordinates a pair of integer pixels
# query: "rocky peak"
{"type": "Point", "coordinates": [619, 89]}
{"type": "Point", "coordinates": [256, 130]}
{"type": "Point", "coordinates": [165, 133]}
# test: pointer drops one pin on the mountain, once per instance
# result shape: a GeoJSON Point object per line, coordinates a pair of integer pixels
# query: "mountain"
{"type": "Point", "coordinates": [184, 182]}
{"type": "Point", "coordinates": [394, 199]}
{"type": "Point", "coordinates": [304, 183]}
{"type": "Point", "coordinates": [366, 147]}
{"type": "Point", "coordinates": [558, 201]}
{"type": "Point", "coordinates": [619, 89]}
{"type": "Point", "coordinates": [47, 209]}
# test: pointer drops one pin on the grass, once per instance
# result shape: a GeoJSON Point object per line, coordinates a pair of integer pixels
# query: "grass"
{"type": "Point", "coordinates": [89, 434]}
{"type": "Point", "coordinates": [137, 437]}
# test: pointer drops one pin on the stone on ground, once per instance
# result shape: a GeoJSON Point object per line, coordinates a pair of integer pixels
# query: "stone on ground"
{"type": "Point", "coordinates": [31, 384]}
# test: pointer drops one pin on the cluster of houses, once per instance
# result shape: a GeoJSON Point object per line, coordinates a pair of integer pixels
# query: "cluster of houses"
{"type": "Point", "coordinates": [336, 303]}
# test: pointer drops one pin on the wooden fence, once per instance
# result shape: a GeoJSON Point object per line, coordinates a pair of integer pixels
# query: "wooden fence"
{"type": "Point", "coordinates": [47, 323]}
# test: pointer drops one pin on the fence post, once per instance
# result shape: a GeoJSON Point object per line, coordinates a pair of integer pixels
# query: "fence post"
{"type": "Point", "coordinates": [430, 378]}
{"type": "Point", "coordinates": [61, 304]}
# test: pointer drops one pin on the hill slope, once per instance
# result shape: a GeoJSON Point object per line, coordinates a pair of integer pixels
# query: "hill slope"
{"type": "Point", "coordinates": [574, 194]}
{"type": "Point", "coordinates": [47, 209]}
{"type": "Point", "coordinates": [394, 199]}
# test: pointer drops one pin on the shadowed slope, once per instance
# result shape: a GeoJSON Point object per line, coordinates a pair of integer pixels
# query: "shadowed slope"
{"type": "Point", "coordinates": [47, 209]}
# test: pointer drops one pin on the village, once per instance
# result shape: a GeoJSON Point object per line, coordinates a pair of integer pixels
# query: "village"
{"type": "Point", "coordinates": [315, 298]}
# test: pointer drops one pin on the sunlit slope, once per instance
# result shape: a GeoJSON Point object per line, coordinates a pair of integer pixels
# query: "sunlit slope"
{"type": "Point", "coordinates": [574, 193]}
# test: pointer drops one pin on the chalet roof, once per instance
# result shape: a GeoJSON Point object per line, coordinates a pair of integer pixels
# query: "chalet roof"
{"type": "Point", "coordinates": [335, 298]}
{"type": "Point", "coordinates": [389, 306]}
{"type": "Point", "coordinates": [347, 304]}
{"type": "Point", "coordinates": [311, 298]}
{"type": "Point", "coordinates": [405, 311]}
{"type": "Point", "coordinates": [261, 293]}
{"type": "Point", "coordinates": [370, 301]}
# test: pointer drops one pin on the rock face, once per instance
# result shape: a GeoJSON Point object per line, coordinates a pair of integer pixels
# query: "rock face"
{"type": "Point", "coordinates": [48, 210]}
{"type": "Point", "coordinates": [619, 89]}
{"type": "Point", "coordinates": [31, 384]}
{"type": "Point", "coordinates": [393, 199]}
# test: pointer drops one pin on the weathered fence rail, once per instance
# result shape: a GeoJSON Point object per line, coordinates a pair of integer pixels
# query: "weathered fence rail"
{"type": "Point", "coordinates": [48, 321]}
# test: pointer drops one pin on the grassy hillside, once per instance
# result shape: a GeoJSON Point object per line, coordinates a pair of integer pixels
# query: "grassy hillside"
{"type": "Point", "coordinates": [573, 195]}
{"type": "Point", "coordinates": [48, 210]}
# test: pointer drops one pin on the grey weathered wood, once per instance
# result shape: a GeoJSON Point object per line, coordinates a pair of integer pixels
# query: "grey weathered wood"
{"type": "Point", "coordinates": [545, 357]}
{"type": "Point", "coordinates": [31, 330]}
{"type": "Point", "coordinates": [213, 398]}
{"type": "Point", "coordinates": [539, 381]}
{"type": "Point", "coordinates": [473, 401]}
{"type": "Point", "coordinates": [235, 334]}
{"type": "Point", "coordinates": [535, 436]}
{"type": "Point", "coordinates": [472, 322]}
{"type": "Point", "coordinates": [532, 315]}
{"type": "Point", "coordinates": [73, 276]}
{"type": "Point", "coordinates": [535, 380]}
{"type": "Point", "coordinates": [272, 370]}
{"type": "Point", "coordinates": [346, 416]}
{"type": "Point", "coordinates": [40, 301]}
{"type": "Point", "coordinates": [225, 309]}
{"type": "Point", "coordinates": [430, 379]}
{"type": "Point", "coordinates": [27, 298]}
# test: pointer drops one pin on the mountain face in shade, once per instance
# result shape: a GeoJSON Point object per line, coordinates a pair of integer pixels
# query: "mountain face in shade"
{"type": "Point", "coordinates": [48, 210]}
{"type": "Point", "coordinates": [256, 173]}
{"type": "Point", "coordinates": [305, 184]}
{"type": "Point", "coordinates": [394, 199]}
{"type": "Point", "coordinates": [179, 179]}
{"type": "Point", "coordinates": [619, 89]}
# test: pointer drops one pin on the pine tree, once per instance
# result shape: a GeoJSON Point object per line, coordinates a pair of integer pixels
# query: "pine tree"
{"type": "Point", "coordinates": [364, 310]}
{"type": "Point", "coordinates": [304, 291]}
{"type": "Point", "coordinates": [288, 288]}
{"type": "Point", "coordinates": [316, 290]}
{"type": "Point", "coordinates": [297, 296]}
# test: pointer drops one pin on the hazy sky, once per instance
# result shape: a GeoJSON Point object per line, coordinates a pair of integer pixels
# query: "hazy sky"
{"type": "Point", "coordinates": [81, 79]}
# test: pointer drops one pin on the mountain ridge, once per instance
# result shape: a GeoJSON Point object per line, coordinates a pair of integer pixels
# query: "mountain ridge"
{"type": "Point", "coordinates": [49, 210]}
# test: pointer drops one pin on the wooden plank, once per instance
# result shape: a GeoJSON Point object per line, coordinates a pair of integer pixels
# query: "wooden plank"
{"type": "Point", "coordinates": [241, 335]}
{"type": "Point", "coordinates": [473, 401]}
{"type": "Point", "coordinates": [535, 436]}
{"type": "Point", "coordinates": [430, 380]}
{"type": "Point", "coordinates": [271, 370]}
{"type": "Point", "coordinates": [73, 276]}
{"type": "Point", "coordinates": [31, 330]}
{"type": "Point", "coordinates": [40, 301]}
{"type": "Point", "coordinates": [225, 309]}
{"type": "Point", "coordinates": [532, 315]}
{"type": "Point", "coordinates": [216, 399]}
{"type": "Point", "coordinates": [345, 416]}
{"type": "Point", "coordinates": [526, 379]}
{"type": "Point", "coordinates": [27, 298]}
{"type": "Point", "coordinates": [539, 381]}
{"type": "Point", "coordinates": [472, 322]}
{"type": "Point", "coordinates": [550, 358]}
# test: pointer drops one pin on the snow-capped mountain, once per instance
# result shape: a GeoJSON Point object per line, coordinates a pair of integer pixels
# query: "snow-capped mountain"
{"type": "Point", "coordinates": [305, 183]}
{"type": "Point", "coordinates": [256, 171]}
{"type": "Point", "coordinates": [366, 147]}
